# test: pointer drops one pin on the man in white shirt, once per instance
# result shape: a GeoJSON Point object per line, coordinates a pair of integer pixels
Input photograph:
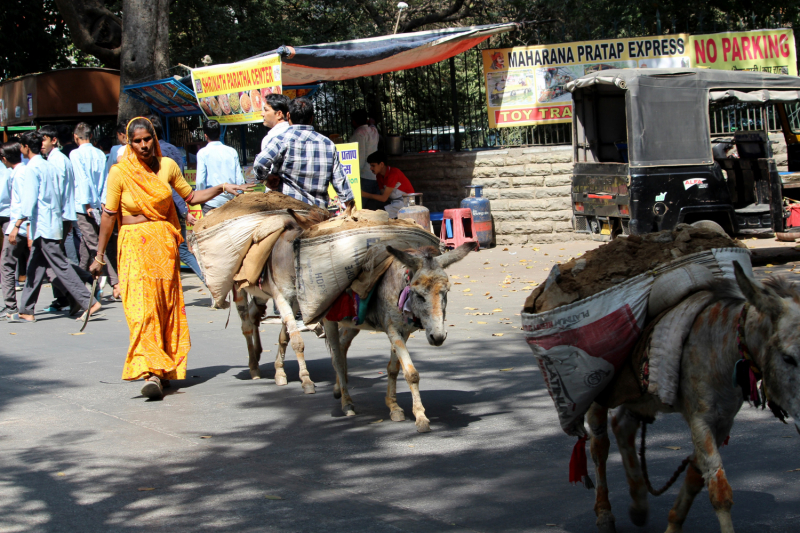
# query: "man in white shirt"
{"type": "Point", "coordinates": [367, 137]}
{"type": "Point", "coordinates": [41, 205]}
{"type": "Point", "coordinates": [12, 160]}
{"type": "Point", "coordinates": [216, 164]}
{"type": "Point", "coordinates": [89, 168]}
{"type": "Point", "coordinates": [276, 116]}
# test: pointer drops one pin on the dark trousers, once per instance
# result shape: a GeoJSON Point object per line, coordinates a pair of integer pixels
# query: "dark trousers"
{"type": "Point", "coordinates": [9, 257]}
{"type": "Point", "coordinates": [89, 234]}
{"type": "Point", "coordinates": [59, 293]}
{"type": "Point", "coordinates": [47, 253]}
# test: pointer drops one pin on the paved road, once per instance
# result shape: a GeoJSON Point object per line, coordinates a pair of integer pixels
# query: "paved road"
{"type": "Point", "coordinates": [224, 453]}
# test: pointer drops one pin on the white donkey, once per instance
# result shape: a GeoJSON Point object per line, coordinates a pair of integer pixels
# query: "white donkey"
{"type": "Point", "coordinates": [422, 271]}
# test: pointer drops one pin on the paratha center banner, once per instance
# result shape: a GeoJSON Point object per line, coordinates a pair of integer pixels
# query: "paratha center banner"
{"type": "Point", "coordinates": [526, 85]}
{"type": "Point", "coordinates": [234, 93]}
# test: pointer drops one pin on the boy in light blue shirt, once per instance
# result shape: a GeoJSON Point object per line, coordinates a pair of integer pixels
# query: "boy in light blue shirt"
{"type": "Point", "coordinates": [12, 161]}
{"type": "Point", "coordinates": [217, 164]}
{"type": "Point", "coordinates": [89, 166]}
{"type": "Point", "coordinates": [41, 205]}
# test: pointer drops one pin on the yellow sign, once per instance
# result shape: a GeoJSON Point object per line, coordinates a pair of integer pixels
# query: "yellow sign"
{"type": "Point", "coordinates": [527, 85]}
{"type": "Point", "coordinates": [349, 159]}
{"type": "Point", "coordinates": [234, 93]}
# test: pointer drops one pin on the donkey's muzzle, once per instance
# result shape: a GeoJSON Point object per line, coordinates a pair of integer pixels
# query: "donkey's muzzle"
{"type": "Point", "coordinates": [437, 339]}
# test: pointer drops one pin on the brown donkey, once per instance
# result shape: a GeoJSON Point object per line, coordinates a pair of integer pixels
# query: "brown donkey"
{"type": "Point", "coordinates": [422, 272]}
{"type": "Point", "coordinates": [760, 323]}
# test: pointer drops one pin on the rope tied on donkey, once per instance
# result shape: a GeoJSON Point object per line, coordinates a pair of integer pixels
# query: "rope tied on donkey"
{"type": "Point", "coordinates": [674, 477]}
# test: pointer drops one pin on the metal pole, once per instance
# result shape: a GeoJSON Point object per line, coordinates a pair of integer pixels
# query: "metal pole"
{"type": "Point", "coordinates": [454, 97]}
{"type": "Point", "coordinates": [243, 139]}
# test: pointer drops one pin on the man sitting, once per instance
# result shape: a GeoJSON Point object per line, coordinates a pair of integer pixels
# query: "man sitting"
{"type": "Point", "coordinates": [391, 181]}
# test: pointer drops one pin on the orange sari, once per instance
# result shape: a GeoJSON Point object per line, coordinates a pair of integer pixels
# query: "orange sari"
{"type": "Point", "coordinates": [149, 274]}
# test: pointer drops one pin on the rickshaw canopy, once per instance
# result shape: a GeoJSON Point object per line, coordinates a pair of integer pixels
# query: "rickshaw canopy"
{"type": "Point", "coordinates": [666, 110]}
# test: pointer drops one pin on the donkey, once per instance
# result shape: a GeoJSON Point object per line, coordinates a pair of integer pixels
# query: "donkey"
{"type": "Point", "coordinates": [758, 321]}
{"type": "Point", "coordinates": [278, 283]}
{"type": "Point", "coordinates": [421, 270]}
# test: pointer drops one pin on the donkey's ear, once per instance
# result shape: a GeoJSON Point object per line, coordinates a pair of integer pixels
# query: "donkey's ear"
{"type": "Point", "coordinates": [762, 298]}
{"type": "Point", "coordinates": [415, 263]}
{"type": "Point", "coordinates": [454, 256]}
{"type": "Point", "coordinates": [302, 221]}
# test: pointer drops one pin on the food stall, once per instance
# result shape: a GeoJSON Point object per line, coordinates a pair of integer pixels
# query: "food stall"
{"type": "Point", "coordinates": [66, 95]}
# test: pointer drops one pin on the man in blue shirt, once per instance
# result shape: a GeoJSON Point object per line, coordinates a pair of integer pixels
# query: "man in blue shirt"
{"type": "Point", "coordinates": [305, 161]}
{"type": "Point", "coordinates": [89, 167]}
{"type": "Point", "coordinates": [41, 205]}
{"type": "Point", "coordinates": [66, 190]}
{"type": "Point", "coordinates": [216, 164]}
{"type": "Point", "coordinates": [11, 253]}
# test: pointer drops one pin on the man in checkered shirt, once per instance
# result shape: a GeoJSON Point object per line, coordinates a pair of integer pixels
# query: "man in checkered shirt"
{"type": "Point", "coordinates": [304, 160]}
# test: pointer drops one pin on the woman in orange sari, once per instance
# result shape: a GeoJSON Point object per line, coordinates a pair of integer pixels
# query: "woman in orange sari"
{"type": "Point", "coordinates": [139, 197]}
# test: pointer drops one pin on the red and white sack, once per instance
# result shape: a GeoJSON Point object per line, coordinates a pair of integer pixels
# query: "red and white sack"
{"type": "Point", "coordinates": [581, 345]}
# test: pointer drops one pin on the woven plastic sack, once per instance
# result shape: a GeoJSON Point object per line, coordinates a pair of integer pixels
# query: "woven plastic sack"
{"type": "Point", "coordinates": [580, 346]}
{"type": "Point", "coordinates": [328, 264]}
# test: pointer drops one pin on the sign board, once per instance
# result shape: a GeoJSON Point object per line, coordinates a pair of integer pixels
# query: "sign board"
{"type": "Point", "coordinates": [234, 93]}
{"type": "Point", "coordinates": [349, 159]}
{"type": "Point", "coordinates": [526, 85]}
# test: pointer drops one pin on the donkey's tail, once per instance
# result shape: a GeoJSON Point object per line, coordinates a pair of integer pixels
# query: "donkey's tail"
{"type": "Point", "coordinates": [674, 477]}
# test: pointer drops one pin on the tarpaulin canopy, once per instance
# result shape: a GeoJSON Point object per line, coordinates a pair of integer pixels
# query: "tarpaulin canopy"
{"type": "Point", "coordinates": [367, 57]}
{"type": "Point", "coordinates": [667, 109]}
{"type": "Point", "coordinates": [169, 97]}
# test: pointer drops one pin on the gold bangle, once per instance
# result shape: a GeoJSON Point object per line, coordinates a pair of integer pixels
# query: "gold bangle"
{"type": "Point", "coordinates": [99, 262]}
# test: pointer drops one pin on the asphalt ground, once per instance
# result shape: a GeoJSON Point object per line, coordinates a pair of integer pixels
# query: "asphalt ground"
{"type": "Point", "coordinates": [81, 450]}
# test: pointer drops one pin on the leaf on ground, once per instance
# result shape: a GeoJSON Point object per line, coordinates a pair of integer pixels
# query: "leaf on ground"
{"type": "Point", "coordinates": [486, 293]}
{"type": "Point", "coordinates": [482, 322]}
{"type": "Point", "coordinates": [769, 265]}
{"type": "Point", "coordinates": [12, 333]}
{"type": "Point", "coordinates": [498, 310]}
{"type": "Point", "coordinates": [272, 497]}
{"type": "Point", "coordinates": [471, 308]}
{"type": "Point", "coordinates": [79, 333]}
{"type": "Point", "coordinates": [467, 290]}
{"type": "Point", "coordinates": [466, 276]}
{"type": "Point", "coordinates": [205, 436]}
{"type": "Point", "coordinates": [535, 249]}
{"type": "Point", "coordinates": [142, 489]}
{"type": "Point", "coordinates": [675, 448]}
{"type": "Point", "coordinates": [505, 249]}
{"type": "Point", "coordinates": [497, 334]}
{"type": "Point", "coordinates": [61, 474]}
{"type": "Point", "coordinates": [506, 369]}
{"type": "Point", "coordinates": [210, 321]}
{"type": "Point", "coordinates": [768, 272]}
{"type": "Point", "coordinates": [795, 470]}
{"type": "Point", "coordinates": [377, 421]}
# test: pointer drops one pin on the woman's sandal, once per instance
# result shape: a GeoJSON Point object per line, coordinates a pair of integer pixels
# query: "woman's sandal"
{"type": "Point", "coordinates": [152, 388]}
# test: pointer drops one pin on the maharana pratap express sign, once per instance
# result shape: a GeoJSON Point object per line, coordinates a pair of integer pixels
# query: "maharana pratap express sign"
{"type": "Point", "coordinates": [234, 93]}
{"type": "Point", "coordinates": [526, 86]}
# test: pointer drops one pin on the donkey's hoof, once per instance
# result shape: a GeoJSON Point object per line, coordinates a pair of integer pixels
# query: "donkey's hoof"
{"type": "Point", "coordinates": [638, 516]}
{"type": "Point", "coordinates": [280, 380]}
{"type": "Point", "coordinates": [605, 524]}
{"type": "Point", "coordinates": [423, 426]}
{"type": "Point", "coordinates": [255, 374]}
{"type": "Point", "coordinates": [309, 388]}
{"type": "Point", "coordinates": [349, 410]}
{"type": "Point", "coordinates": [398, 415]}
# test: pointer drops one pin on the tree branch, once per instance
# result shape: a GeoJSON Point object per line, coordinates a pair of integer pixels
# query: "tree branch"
{"type": "Point", "coordinates": [449, 14]}
{"type": "Point", "coordinates": [94, 29]}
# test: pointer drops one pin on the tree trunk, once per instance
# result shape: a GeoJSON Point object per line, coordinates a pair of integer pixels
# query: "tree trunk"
{"type": "Point", "coordinates": [145, 49]}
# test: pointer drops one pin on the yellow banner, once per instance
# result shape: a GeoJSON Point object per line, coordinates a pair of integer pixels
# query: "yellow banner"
{"type": "Point", "coordinates": [349, 158]}
{"type": "Point", "coordinates": [526, 85]}
{"type": "Point", "coordinates": [234, 93]}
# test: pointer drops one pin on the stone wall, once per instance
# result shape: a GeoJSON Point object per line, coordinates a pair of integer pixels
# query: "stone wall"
{"type": "Point", "coordinates": [528, 188]}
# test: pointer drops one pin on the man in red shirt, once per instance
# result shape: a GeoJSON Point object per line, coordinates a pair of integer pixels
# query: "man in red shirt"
{"type": "Point", "coordinates": [392, 183]}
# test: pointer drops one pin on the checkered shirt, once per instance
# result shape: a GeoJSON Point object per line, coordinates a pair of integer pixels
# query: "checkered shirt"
{"type": "Point", "coordinates": [307, 162]}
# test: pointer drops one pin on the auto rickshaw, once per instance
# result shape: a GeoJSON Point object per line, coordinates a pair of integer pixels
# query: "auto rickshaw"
{"type": "Point", "coordinates": [645, 160]}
